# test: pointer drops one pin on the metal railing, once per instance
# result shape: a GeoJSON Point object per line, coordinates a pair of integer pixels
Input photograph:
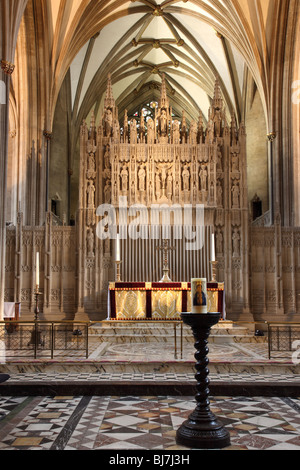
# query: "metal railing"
{"type": "Point", "coordinates": [283, 337]}
{"type": "Point", "coordinates": [46, 338]}
{"type": "Point", "coordinates": [42, 338]}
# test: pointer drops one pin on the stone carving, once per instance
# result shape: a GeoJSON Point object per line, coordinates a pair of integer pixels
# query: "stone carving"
{"type": "Point", "coordinates": [142, 178]}
{"type": "Point", "coordinates": [186, 178]}
{"type": "Point", "coordinates": [133, 131]}
{"type": "Point", "coordinates": [176, 132]}
{"type": "Point", "coordinates": [235, 195]}
{"type": "Point", "coordinates": [150, 131]}
{"type": "Point", "coordinates": [203, 177]}
{"type": "Point", "coordinates": [107, 192]}
{"type": "Point", "coordinates": [165, 161]}
{"type": "Point", "coordinates": [236, 242]}
{"type": "Point", "coordinates": [169, 186]}
{"type": "Point", "coordinates": [90, 243]}
{"type": "Point", "coordinates": [91, 171]}
{"type": "Point", "coordinates": [124, 179]}
{"type": "Point", "coordinates": [234, 162]}
{"type": "Point", "coordinates": [193, 133]}
{"type": "Point", "coordinates": [90, 194]}
{"type": "Point", "coordinates": [219, 242]}
{"type": "Point", "coordinates": [219, 194]}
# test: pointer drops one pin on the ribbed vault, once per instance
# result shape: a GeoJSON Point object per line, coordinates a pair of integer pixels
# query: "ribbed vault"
{"type": "Point", "coordinates": [72, 45]}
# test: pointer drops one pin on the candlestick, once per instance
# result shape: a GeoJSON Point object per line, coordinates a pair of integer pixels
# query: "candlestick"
{"type": "Point", "coordinates": [118, 276]}
{"type": "Point", "coordinates": [37, 271]}
{"type": "Point", "coordinates": [213, 254]}
{"type": "Point", "coordinates": [118, 255]}
{"type": "Point", "coordinates": [214, 268]}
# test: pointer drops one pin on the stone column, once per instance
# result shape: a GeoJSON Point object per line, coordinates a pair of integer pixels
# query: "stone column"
{"type": "Point", "coordinates": [11, 15]}
{"type": "Point", "coordinates": [7, 69]}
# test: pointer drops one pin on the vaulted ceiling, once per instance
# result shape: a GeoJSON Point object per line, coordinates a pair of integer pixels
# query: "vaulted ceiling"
{"type": "Point", "coordinates": [139, 48]}
{"type": "Point", "coordinates": [191, 41]}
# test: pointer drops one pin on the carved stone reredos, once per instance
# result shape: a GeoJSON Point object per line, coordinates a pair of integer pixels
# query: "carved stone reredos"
{"type": "Point", "coordinates": [163, 160]}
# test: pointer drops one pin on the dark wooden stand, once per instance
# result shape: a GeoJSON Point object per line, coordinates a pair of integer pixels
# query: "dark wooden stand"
{"type": "Point", "coordinates": [202, 430]}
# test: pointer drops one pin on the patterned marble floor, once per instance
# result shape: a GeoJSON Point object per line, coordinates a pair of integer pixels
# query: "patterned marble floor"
{"type": "Point", "coordinates": [137, 423]}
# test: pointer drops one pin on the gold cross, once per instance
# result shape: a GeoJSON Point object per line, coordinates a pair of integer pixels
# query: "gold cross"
{"type": "Point", "coordinates": [165, 248]}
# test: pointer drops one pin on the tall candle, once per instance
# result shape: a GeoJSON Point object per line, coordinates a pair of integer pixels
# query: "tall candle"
{"type": "Point", "coordinates": [213, 255]}
{"type": "Point", "coordinates": [118, 256]}
{"type": "Point", "coordinates": [37, 269]}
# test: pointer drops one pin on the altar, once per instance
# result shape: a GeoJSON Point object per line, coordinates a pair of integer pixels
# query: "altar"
{"type": "Point", "coordinates": [159, 300]}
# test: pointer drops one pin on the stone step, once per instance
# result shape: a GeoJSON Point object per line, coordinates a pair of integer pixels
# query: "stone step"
{"type": "Point", "coordinates": [122, 332]}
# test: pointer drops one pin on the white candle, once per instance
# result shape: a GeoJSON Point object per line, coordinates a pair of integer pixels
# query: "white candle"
{"type": "Point", "coordinates": [118, 256]}
{"type": "Point", "coordinates": [213, 255]}
{"type": "Point", "coordinates": [37, 270]}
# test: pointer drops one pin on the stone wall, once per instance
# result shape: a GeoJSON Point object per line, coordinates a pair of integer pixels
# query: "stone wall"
{"type": "Point", "coordinates": [56, 246]}
{"type": "Point", "coordinates": [274, 279]}
{"type": "Point", "coordinates": [275, 273]}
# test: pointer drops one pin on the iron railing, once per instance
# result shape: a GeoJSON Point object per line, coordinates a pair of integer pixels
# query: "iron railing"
{"type": "Point", "coordinates": [283, 337]}
{"type": "Point", "coordinates": [42, 338]}
{"type": "Point", "coordinates": [46, 338]}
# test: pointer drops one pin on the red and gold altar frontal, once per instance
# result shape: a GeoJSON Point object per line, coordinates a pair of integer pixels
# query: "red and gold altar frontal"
{"type": "Point", "coordinates": [159, 300]}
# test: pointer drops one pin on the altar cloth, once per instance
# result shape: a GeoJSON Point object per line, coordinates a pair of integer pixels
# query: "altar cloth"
{"type": "Point", "coordinates": [159, 300]}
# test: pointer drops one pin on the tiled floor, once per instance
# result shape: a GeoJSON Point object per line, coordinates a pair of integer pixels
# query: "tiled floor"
{"type": "Point", "coordinates": [131, 423]}
{"type": "Point", "coordinates": [138, 423]}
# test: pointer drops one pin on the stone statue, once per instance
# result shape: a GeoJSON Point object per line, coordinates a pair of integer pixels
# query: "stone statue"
{"type": "Point", "coordinates": [203, 177]}
{"type": "Point", "coordinates": [219, 194]}
{"type": "Point", "coordinates": [116, 130]}
{"type": "Point", "coordinates": [193, 133]}
{"type": "Point", "coordinates": [163, 168]}
{"type": "Point", "coordinates": [186, 178]}
{"type": "Point", "coordinates": [124, 178]}
{"type": "Point", "coordinates": [157, 186]}
{"type": "Point", "coordinates": [107, 192]}
{"type": "Point", "coordinates": [163, 123]}
{"type": "Point", "coordinates": [235, 195]}
{"type": "Point", "coordinates": [91, 170]}
{"type": "Point", "coordinates": [107, 157]}
{"type": "Point", "coordinates": [234, 162]}
{"type": "Point", "coordinates": [141, 176]}
{"type": "Point", "coordinates": [169, 186]}
{"type": "Point", "coordinates": [90, 194]}
{"type": "Point", "coordinates": [176, 132]}
{"type": "Point", "coordinates": [133, 132]}
{"type": "Point", "coordinates": [150, 131]}
{"type": "Point", "coordinates": [108, 122]}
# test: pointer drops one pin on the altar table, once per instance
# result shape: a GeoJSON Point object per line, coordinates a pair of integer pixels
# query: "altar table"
{"type": "Point", "coordinates": [159, 300]}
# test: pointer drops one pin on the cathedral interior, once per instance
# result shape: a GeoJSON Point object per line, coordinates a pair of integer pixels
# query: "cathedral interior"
{"type": "Point", "coordinates": [148, 146]}
{"type": "Point", "coordinates": [161, 102]}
